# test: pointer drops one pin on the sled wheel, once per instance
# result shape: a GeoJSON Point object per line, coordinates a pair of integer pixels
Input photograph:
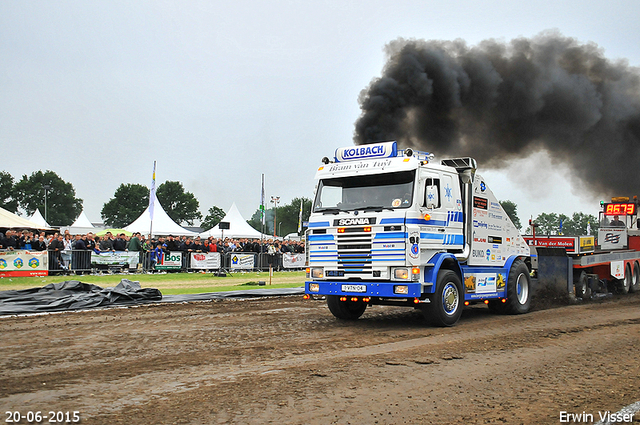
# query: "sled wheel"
{"type": "Point", "coordinates": [345, 310]}
{"type": "Point", "coordinates": [582, 288]}
{"type": "Point", "coordinates": [446, 307]}
{"type": "Point", "coordinates": [518, 289]}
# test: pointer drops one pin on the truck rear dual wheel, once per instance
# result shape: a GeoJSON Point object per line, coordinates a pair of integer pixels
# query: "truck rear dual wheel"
{"type": "Point", "coordinates": [345, 310]}
{"type": "Point", "coordinates": [626, 283]}
{"type": "Point", "coordinates": [518, 289]}
{"type": "Point", "coordinates": [635, 287]}
{"type": "Point", "coordinates": [446, 305]}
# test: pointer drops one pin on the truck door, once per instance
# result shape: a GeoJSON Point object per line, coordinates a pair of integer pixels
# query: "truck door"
{"type": "Point", "coordinates": [441, 208]}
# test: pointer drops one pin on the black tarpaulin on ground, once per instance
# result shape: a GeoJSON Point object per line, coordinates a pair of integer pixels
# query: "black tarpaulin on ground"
{"type": "Point", "coordinates": [76, 295]}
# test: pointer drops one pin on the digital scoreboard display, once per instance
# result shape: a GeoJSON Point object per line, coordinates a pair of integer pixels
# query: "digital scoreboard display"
{"type": "Point", "coordinates": [620, 209]}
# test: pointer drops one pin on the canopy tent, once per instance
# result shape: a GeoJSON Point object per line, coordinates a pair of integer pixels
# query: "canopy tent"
{"type": "Point", "coordinates": [238, 227]}
{"type": "Point", "coordinates": [39, 219]}
{"type": "Point", "coordinates": [81, 226]}
{"type": "Point", "coordinates": [82, 221]}
{"type": "Point", "coordinates": [162, 224]}
{"type": "Point", "coordinates": [9, 220]}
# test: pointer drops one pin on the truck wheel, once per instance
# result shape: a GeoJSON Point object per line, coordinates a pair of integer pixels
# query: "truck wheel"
{"type": "Point", "coordinates": [446, 306]}
{"type": "Point", "coordinates": [627, 282]}
{"type": "Point", "coordinates": [518, 286]}
{"type": "Point", "coordinates": [635, 287]}
{"type": "Point", "coordinates": [345, 310]}
{"type": "Point", "coordinates": [582, 287]}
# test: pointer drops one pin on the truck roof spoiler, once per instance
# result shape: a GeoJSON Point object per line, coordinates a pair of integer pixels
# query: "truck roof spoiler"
{"type": "Point", "coordinates": [461, 164]}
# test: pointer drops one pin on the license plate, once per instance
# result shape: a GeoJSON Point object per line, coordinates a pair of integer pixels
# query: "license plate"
{"type": "Point", "coordinates": [354, 288]}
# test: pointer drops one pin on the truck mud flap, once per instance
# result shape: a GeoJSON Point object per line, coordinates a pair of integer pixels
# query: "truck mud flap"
{"type": "Point", "coordinates": [555, 271]}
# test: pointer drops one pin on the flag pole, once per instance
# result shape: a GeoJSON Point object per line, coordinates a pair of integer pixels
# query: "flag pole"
{"type": "Point", "coordinates": [262, 218]}
{"type": "Point", "coordinates": [152, 199]}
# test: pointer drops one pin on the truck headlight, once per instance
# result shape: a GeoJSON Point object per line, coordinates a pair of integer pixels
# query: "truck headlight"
{"type": "Point", "coordinates": [401, 274]}
{"type": "Point", "coordinates": [314, 287]}
{"type": "Point", "coordinates": [317, 273]}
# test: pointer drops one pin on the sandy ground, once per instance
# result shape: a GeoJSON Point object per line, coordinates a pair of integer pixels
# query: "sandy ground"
{"type": "Point", "coordinates": [288, 361]}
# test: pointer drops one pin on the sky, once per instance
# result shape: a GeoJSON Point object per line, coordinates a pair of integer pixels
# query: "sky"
{"type": "Point", "coordinates": [219, 93]}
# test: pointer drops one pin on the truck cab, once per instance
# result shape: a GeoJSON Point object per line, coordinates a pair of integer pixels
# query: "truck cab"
{"type": "Point", "coordinates": [396, 227]}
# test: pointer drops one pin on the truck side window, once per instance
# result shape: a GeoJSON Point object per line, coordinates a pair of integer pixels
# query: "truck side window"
{"type": "Point", "coordinates": [432, 193]}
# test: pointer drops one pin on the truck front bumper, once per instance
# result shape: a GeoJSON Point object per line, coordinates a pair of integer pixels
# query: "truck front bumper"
{"type": "Point", "coordinates": [384, 289]}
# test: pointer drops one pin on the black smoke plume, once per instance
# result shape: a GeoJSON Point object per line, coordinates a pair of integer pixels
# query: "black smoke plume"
{"type": "Point", "coordinates": [497, 101]}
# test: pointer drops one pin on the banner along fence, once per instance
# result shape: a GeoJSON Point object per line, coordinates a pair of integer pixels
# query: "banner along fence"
{"type": "Point", "coordinates": [34, 263]}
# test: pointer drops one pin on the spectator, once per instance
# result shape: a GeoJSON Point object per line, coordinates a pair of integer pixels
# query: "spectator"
{"type": "Point", "coordinates": [106, 244]}
{"type": "Point", "coordinates": [120, 244]}
{"type": "Point", "coordinates": [197, 245]}
{"type": "Point", "coordinates": [187, 246]}
{"type": "Point", "coordinates": [9, 241]}
{"type": "Point", "coordinates": [172, 244]}
{"type": "Point", "coordinates": [92, 245]}
{"type": "Point", "coordinates": [55, 247]}
{"type": "Point", "coordinates": [40, 245]}
{"type": "Point", "coordinates": [134, 243]}
{"type": "Point", "coordinates": [66, 252]}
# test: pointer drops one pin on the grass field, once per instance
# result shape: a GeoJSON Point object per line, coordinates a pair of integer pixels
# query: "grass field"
{"type": "Point", "coordinates": [171, 283]}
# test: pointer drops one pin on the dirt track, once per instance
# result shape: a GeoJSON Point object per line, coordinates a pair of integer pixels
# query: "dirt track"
{"type": "Point", "coordinates": [288, 361]}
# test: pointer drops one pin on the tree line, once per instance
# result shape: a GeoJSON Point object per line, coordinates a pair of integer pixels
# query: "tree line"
{"type": "Point", "coordinates": [128, 202]}
{"type": "Point", "coordinates": [553, 223]}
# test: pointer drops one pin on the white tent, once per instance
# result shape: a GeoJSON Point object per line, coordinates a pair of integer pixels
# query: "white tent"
{"type": "Point", "coordinates": [81, 226]}
{"type": "Point", "coordinates": [39, 219]}
{"type": "Point", "coordinates": [82, 221]}
{"type": "Point", "coordinates": [238, 227]}
{"type": "Point", "coordinates": [162, 223]}
{"type": "Point", "coordinates": [13, 221]}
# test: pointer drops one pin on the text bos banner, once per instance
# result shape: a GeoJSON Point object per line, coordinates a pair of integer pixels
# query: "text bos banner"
{"type": "Point", "coordinates": [169, 261]}
{"type": "Point", "coordinates": [242, 261]}
{"type": "Point", "coordinates": [293, 261]}
{"type": "Point", "coordinates": [24, 263]}
{"type": "Point", "coordinates": [206, 260]}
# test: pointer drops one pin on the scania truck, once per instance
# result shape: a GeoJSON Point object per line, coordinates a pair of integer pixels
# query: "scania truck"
{"type": "Point", "coordinates": [394, 226]}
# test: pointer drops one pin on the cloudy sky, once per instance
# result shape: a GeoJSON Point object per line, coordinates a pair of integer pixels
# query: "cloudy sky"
{"type": "Point", "coordinates": [219, 93]}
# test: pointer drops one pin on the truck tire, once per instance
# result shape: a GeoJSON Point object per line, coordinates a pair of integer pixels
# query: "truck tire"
{"type": "Point", "coordinates": [345, 310]}
{"type": "Point", "coordinates": [627, 282]}
{"type": "Point", "coordinates": [635, 287]}
{"type": "Point", "coordinates": [518, 289]}
{"type": "Point", "coordinates": [446, 306]}
{"type": "Point", "coordinates": [582, 289]}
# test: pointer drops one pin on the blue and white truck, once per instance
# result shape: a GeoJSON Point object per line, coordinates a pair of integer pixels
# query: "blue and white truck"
{"type": "Point", "coordinates": [394, 226]}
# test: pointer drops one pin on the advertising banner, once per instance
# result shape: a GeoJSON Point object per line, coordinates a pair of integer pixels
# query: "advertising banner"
{"type": "Point", "coordinates": [612, 238]}
{"type": "Point", "coordinates": [24, 263]}
{"type": "Point", "coordinates": [118, 258]}
{"type": "Point", "coordinates": [242, 261]}
{"type": "Point", "coordinates": [205, 260]}
{"type": "Point", "coordinates": [169, 261]}
{"type": "Point", "coordinates": [293, 261]}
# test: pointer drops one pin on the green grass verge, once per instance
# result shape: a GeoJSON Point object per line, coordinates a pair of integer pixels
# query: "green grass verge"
{"type": "Point", "coordinates": [171, 283]}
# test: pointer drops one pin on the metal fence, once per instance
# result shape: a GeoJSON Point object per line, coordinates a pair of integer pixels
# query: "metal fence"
{"type": "Point", "coordinates": [88, 262]}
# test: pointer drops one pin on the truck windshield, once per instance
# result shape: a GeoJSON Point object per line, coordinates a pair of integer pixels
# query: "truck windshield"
{"type": "Point", "coordinates": [390, 190]}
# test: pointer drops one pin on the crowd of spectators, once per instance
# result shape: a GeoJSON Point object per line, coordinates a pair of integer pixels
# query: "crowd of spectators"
{"type": "Point", "coordinates": [63, 244]}
{"type": "Point", "coordinates": [34, 241]}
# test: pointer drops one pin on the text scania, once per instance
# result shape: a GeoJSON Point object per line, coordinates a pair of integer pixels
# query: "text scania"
{"type": "Point", "coordinates": [353, 221]}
